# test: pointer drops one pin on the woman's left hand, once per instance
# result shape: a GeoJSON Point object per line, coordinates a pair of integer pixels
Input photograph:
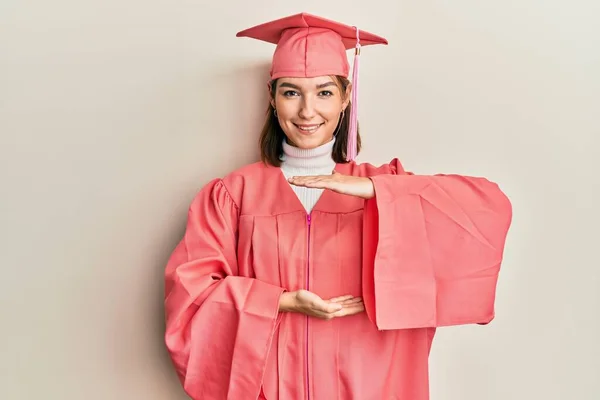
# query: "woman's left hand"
{"type": "Point", "coordinates": [344, 184]}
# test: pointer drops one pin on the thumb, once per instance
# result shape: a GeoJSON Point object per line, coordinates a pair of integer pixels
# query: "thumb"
{"type": "Point", "coordinates": [328, 307]}
{"type": "Point", "coordinates": [333, 307]}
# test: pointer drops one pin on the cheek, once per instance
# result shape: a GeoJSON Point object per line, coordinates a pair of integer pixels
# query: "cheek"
{"type": "Point", "coordinates": [331, 111]}
{"type": "Point", "coordinates": [287, 110]}
{"type": "Point", "coordinates": [286, 107]}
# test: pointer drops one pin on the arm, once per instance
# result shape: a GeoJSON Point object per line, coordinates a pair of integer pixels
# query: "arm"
{"type": "Point", "coordinates": [219, 326]}
{"type": "Point", "coordinates": [433, 247]}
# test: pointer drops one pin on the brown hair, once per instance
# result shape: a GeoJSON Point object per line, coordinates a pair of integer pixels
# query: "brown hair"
{"type": "Point", "coordinates": [272, 136]}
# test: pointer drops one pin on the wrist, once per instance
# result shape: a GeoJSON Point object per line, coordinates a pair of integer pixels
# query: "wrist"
{"type": "Point", "coordinates": [286, 302]}
{"type": "Point", "coordinates": [370, 191]}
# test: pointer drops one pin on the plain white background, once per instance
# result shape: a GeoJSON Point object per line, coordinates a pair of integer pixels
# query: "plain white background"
{"type": "Point", "coordinates": [114, 113]}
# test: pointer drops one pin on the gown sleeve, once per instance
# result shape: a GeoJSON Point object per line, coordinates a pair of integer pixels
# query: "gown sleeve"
{"type": "Point", "coordinates": [433, 246]}
{"type": "Point", "coordinates": [219, 326]}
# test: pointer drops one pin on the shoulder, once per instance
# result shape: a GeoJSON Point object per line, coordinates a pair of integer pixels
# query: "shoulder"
{"type": "Point", "coordinates": [229, 190]}
{"type": "Point", "coordinates": [247, 180]}
{"type": "Point", "coordinates": [394, 167]}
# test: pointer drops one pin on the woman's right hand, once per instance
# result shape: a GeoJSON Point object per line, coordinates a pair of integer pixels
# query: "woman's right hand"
{"type": "Point", "coordinates": [305, 302]}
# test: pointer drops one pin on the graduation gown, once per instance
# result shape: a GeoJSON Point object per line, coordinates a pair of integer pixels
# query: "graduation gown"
{"type": "Point", "coordinates": [425, 252]}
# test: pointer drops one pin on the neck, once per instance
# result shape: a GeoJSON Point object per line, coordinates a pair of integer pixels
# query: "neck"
{"type": "Point", "coordinates": [305, 162]}
{"type": "Point", "coordinates": [318, 157]}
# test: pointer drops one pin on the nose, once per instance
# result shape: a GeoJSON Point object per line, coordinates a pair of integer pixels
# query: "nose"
{"type": "Point", "coordinates": [307, 108]}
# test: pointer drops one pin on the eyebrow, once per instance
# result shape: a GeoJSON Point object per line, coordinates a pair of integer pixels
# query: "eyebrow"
{"type": "Point", "coordinates": [321, 86]}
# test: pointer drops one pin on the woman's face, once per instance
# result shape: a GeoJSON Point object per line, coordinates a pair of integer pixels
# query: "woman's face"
{"type": "Point", "coordinates": [309, 109]}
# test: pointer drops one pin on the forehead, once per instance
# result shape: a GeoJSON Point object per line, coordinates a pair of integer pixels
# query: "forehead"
{"type": "Point", "coordinates": [306, 82]}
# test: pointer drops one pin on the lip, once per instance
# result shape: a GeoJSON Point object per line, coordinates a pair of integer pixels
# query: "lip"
{"type": "Point", "coordinates": [308, 129]}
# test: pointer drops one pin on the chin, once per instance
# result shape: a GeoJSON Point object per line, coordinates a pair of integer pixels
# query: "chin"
{"type": "Point", "coordinates": [309, 142]}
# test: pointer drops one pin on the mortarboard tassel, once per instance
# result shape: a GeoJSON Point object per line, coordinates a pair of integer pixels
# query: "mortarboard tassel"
{"type": "Point", "coordinates": [353, 129]}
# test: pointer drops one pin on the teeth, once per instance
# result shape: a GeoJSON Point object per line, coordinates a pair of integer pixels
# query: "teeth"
{"type": "Point", "coordinates": [310, 130]}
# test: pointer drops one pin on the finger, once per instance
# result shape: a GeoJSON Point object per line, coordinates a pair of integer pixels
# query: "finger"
{"type": "Point", "coordinates": [347, 311]}
{"type": "Point", "coordinates": [359, 306]}
{"type": "Point", "coordinates": [315, 181]}
{"type": "Point", "coordinates": [325, 307]}
{"type": "Point", "coordinates": [327, 184]}
{"type": "Point", "coordinates": [341, 298]}
{"type": "Point", "coordinates": [302, 179]}
{"type": "Point", "coordinates": [321, 314]}
{"type": "Point", "coordinates": [344, 312]}
{"type": "Point", "coordinates": [346, 300]}
{"type": "Point", "coordinates": [326, 317]}
{"type": "Point", "coordinates": [354, 300]}
{"type": "Point", "coordinates": [315, 184]}
{"type": "Point", "coordinates": [299, 182]}
{"type": "Point", "coordinates": [352, 306]}
{"type": "Point", "coordinates": [354, 310]}
{"type": "Point", "coordinates": [332, 308]}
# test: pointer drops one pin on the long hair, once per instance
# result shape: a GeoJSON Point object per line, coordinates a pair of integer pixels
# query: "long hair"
{"type": "Point", "coordinates": [272, 136]}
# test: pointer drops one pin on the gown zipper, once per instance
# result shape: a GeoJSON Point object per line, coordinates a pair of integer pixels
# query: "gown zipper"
{"type": "Point", "coordinates": [307, 317]}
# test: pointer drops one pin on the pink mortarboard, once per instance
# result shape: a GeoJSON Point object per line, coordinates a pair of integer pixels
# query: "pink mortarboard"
{"type": "Point", "coordinates": [310, 46]}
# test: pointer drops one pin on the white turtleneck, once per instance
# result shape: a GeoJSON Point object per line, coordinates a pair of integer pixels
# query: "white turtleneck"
{"type": "Point", "coordinates": [303, 162]}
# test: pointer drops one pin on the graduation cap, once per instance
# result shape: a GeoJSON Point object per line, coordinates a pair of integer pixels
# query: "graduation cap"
{"type": "Point", "coordinates": [310, 46]}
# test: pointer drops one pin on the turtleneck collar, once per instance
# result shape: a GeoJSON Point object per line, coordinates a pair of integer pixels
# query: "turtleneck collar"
{"type": "Point", "coordinates": [319, 157]}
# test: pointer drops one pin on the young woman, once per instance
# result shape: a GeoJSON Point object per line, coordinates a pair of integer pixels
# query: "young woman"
{"type": "Point", "coordinates": [309, 276]}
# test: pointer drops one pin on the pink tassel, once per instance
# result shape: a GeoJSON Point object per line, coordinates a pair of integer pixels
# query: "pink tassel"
{"type": "Point", "coordinates": [353, 129]}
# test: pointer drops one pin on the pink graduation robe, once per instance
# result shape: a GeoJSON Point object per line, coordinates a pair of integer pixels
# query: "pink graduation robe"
{"type": "Point", "coordinates": [424, 253]}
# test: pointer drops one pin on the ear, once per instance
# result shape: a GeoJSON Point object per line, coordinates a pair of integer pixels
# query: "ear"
{"type": "Point", "coordinates": [269, 93]}
{"type": "Point", "coordinates": [347, 96]}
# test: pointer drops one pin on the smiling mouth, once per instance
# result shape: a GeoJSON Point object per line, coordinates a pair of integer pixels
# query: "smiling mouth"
{"type": "Point", "coordinates": [308, 128]}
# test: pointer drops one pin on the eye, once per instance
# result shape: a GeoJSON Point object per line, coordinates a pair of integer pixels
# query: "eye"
{"type": "Point", "coordinates": [326, 93]}
{"type": "Point", "coordinates": [290, 93]}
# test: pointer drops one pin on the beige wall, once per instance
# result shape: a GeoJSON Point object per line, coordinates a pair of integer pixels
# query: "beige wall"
{"type": "Point", "coordinates": [114, 113]}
